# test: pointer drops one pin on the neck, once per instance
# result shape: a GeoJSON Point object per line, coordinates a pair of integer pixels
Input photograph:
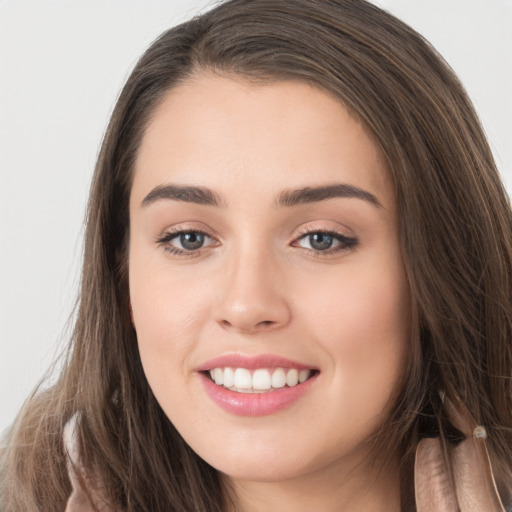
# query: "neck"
{"type": "Point", "coordinates": [366, 487]}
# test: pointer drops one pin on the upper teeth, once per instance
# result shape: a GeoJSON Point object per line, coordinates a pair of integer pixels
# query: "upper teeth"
{"type": "Point", "coordinates": [262, 379]}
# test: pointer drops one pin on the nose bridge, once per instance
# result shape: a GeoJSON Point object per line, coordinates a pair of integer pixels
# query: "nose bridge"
{"type": "Point", "coordinates": [252, 298]}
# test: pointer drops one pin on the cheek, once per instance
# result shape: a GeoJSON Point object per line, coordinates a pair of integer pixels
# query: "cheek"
{"type": "Point", "coordinates": [371, 306]}
{"type": "Point", "coordinates": [168, 313]}
{"type": "Point", "coordinates": [165, 300]}
{"type": "Point", "coordinates": [365, 329]}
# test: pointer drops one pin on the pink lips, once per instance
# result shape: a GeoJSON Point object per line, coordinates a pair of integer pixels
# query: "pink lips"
{"type": "Point", "coordinates": [253, 404]}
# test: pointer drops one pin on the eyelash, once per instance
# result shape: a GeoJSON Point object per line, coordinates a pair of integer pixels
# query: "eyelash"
{"type": "Point", "coordinates": [168, 237]}
{"type": "Point", "coordinates": [345, 243]}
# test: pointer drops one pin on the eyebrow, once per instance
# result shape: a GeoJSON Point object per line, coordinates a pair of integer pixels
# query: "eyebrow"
{"type": "Point", "coordinates": [288, 198]}
{"type": "Point", "coordinates": [315, 194]}
{"type": "Point", "coordinates": [185, 193]}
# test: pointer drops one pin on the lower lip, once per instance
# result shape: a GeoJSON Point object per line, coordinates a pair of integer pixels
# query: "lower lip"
{"type": "Point", "coordinates": [254, 404]}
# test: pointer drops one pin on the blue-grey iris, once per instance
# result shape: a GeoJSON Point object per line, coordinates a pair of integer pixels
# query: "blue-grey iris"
{"type": "Point", "coordinates": [191, 241]}
{"type": "Point", "coordinates": [320, 241]}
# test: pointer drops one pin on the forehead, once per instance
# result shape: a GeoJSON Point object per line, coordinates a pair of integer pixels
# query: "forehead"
{"type": "Point", "coordinates": [226, 132]}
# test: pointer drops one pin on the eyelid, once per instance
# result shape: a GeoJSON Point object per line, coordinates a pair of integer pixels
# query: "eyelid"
{"type": "Point", "coordinates": [168, 235]}
{"type": "Point", "coordinates": [193, 227]}
{"type": "Point", "coordinates": [347, 242]}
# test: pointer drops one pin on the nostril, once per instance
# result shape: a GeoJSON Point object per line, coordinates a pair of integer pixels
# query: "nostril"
{"type": "Point", "coordinates": [259, 325]}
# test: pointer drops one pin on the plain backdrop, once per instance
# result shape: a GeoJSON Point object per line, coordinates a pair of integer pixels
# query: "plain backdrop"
{"type": "Point", "coordinates": [62, 64]}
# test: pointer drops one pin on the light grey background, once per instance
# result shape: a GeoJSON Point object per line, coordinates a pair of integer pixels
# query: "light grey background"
{"type": "Point", "coordinates": [62, 64]}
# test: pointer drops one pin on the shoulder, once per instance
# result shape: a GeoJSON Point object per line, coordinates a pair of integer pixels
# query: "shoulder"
{"type": "Point", "coordinates": [460, 476]}
{"type": "Point", "coordinates": [87, 490]}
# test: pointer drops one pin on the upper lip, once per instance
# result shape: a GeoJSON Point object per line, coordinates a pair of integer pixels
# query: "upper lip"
{"type": "Point", "coordinates": [252, 362]}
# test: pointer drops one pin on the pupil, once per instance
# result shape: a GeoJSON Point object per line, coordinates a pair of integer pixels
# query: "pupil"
{"type": "Point", "coordinates": [320, 241]}
{"type": "Point", "coordinates": [191, 241]}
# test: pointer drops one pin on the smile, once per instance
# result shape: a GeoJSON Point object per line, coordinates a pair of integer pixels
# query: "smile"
{"type": "Point", "coordinates": [260, 380]}
{"type": "Point", "coordinates": [255, 385]}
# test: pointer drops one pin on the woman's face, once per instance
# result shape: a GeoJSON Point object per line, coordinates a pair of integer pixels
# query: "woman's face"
{"type": "Point", "coordinates": [264, 252]}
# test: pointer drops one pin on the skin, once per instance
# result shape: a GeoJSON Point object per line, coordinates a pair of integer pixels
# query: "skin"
{"type": "Point", "coordinates": [258, 287]}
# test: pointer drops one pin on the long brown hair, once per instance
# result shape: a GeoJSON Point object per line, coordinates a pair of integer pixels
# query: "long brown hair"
{"type": "Point", "coordinates": [455, 232]}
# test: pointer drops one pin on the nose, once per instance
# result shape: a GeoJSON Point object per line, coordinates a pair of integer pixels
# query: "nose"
{"type": "Point", "coordinates": [251, 298]}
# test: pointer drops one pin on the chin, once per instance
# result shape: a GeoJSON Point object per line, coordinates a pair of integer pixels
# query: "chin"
{"type": "Point", "coordinates": [272, 463]}
{"type": "Point", "coordinates": [244, 469]}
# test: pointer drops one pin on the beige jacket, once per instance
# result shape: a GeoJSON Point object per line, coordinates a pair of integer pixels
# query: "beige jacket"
{"type": "Point", "coordinates": [473, 480]}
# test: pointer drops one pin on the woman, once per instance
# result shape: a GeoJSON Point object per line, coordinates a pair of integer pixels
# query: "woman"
{"type": "Point", "coordinates": [296, 289]}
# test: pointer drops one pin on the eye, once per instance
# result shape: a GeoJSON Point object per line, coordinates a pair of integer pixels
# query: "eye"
{"type": "Point", "coordinates": [185, 242]}
{"type": "Point", "coordinates": [325, 241]}
{"type": "Point", "coordinates": [190, 241]}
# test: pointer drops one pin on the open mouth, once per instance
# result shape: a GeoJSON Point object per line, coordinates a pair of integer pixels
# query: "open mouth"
{"type": "Point", "coordinates": [260, 380]}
